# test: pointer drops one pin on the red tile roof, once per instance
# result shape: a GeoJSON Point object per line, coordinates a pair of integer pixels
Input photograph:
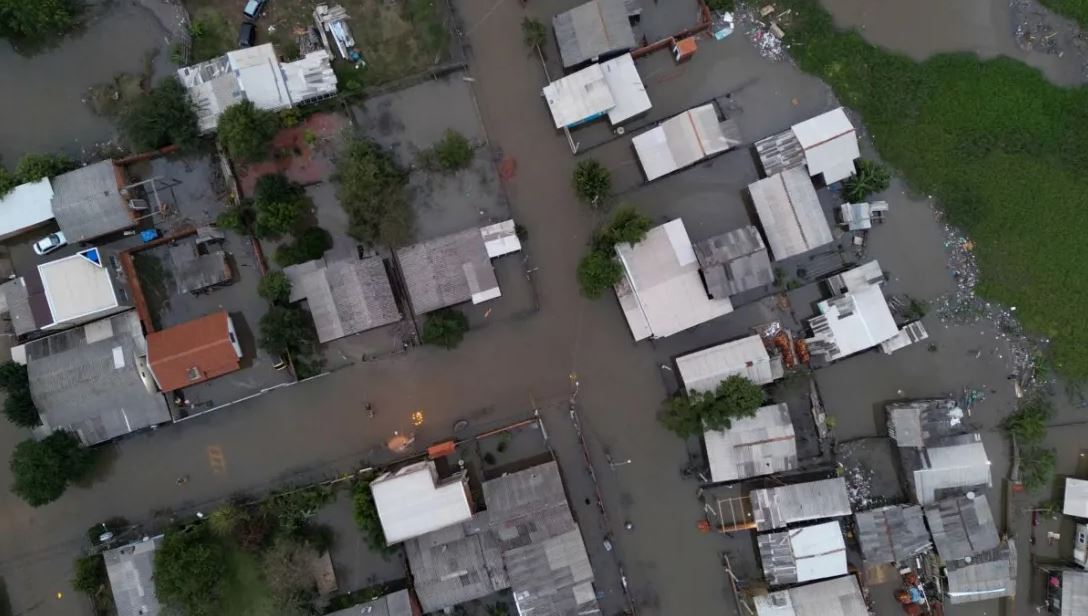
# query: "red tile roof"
{"type": "Point", "coordinates": [192, 352]}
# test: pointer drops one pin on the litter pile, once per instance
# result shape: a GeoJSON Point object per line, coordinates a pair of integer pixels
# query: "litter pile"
{"type": "Point", "coordinates": [762, 26]}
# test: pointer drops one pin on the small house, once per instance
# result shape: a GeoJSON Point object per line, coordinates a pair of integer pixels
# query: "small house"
{"type": "Point", "coordinates": [683, 140]}
{"type": "Point", "coordinates": [802, 554]}
{"type": "Point", "coordinates": [194, 351]}
{"type": "Point", "coordinates": [131, 570]}
{"type": "Point", "coordinates": [593, 31]}
{"type": "Point", "coordinates": [790, 213]}
{"type": "Point", "coordinates": [892, 534]}
{"type": "Point", "coordinates": [703, 370]}
{"type": "Point", "coordinates": [414, 501]}
{"type": "Point", "coordinates": [763, 444]}
{"type": "Point", "coordinates": [783, 506]}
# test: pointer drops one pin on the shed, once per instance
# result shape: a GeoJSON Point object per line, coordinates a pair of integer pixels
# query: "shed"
{"type": "Point", "coordinates": [26, 207]}
{"type": "Point", "coordinates": [836, 597]}
{"type": "Point", "coordinates": [989, 575]}
{"type": "Point", "coordinates": [193, 352]}
{"type": "Point", "coordinates": [962, 526]}
{"type": "Point", "coordinates": [925, 421]}
{"type": "Point", "coordinates": [802, 554]}
{"type": "Point", "coordinates": [753, 446]}
{"type": "Point", "coordinates": [131, 571]}
{"type": "Point", "coordinates": [662, 293]}
{"type": "Point", "coordinates": [448, 270]}
{"type": "Point", "coordinates": [734, 262]}
{"type": "Point", "coordinates": [892, 534]}
{"type": "Point", "coordinates": [413, 501]}
{"type": "Point", "coordinates": [703, 370]}
{"type": "Point", "coordinates": [87, 202]}
{"type": "Point", "coordinates": [592, 31]}
{"type": "Point", "coordinates": [830, 145]}
{"type": "Point", "coordinates": [16, 299]}
{"type": "Point", "coordinates": [780, 152]}
{"type": "Point", "coordinates": [1076, 498]}
{"type": "Point", "coordinates": [684, 140]}
{"type": "Point", "coordinates": [945, 470]}
{"type": "Point", "coordinates": [790, 213]}
{"type": "Point", "coordinates": [344, 296]}
{"type": "Point", "coordinates": [783, 506]}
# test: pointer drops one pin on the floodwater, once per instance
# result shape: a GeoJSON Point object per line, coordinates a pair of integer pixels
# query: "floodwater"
{"type": "Point", "coordinates": [43, 106]}
{"type": "Point", "coordinates": [923, 28]}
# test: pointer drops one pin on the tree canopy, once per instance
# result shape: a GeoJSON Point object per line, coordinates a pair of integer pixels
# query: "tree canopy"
{"type": "Point", "coordinates": [445, 328]}
{"type": "Point", "coordinates": [43, 469]}
{"type": "Point", "coordinates": [36, 19]}
{"type": "Point", "coordinates": [597, 273]}
{"type": "Point", "coordinates": [871, 177]}
{"type": "Point", "coordinates": [372, 192]}
{"type": "Point", "coordinates": [190, 568]}
{"type": "Point", "coordinates": [285, 329]}
{"type": "Point", "coordinates": [275, 287]}
{"type": "Point", "coordinates": [366, 517]}
{"type": "Point", "coordinates": [592, 182]}
{"type": "Point", "coordinates": [280, 205]}
{"type": "Point", "coordinates": [309, 245]}
{"type": "Point", "coordinates": [246, 131]}
{"type": "Point", "coordinates": [734, 398]}
{"type": "Point", "coordinates": [288, 570]}
{"type": "Point", "coordinates": [33, 167]}
{"type": "Point", "coordinates": [599, 270]}
{"type": "Point", "coordinates": [163, 116]}
{"type": "Point", "coordinates": [533, 33]}
{"type": "Point", "coordinates": [452, 153]}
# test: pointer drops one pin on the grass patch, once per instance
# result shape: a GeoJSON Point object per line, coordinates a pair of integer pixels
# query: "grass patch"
{"type": "Point", "coordinates": [212, 34]}
{"type": "Point", "coordinates": [244, 591]}
{"type": "Point", "coordinates": [1002, 149]}
{"type": "Point", "coordinates": [1076, 10]}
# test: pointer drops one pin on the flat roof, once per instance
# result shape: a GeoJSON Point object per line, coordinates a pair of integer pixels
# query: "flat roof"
{"type": "Point", "coordinates": [782, 506]}
{"type": "Point", "coordinates": [78, 286]}
{"type": "Point", "coordinates": [704, 370]}
{"type": "Point", "coordinates": [802, 554]}
{"type": "Point", "coordinates": [830, 144]}
{"type": "Point", "coordinates": [1074, 592]}
{"type": "Point", "coordinates": [662, 292]}
{"type": "Point", "coordinates": [398, 603]}
{"type": "Point", "coordinates": [1076, 497]}
{"type": "Point", "coordinates": [628, 91]}
{"type": "Point", "coordinates": [753, 446]}
{"type": "Point", "coordinates": [790, 212]}
{"type": "Point", "coordinates": [684, 140]}
{"type": "Point", "coordinates": [87, 202]}
{"type": "Point", "coordinates": [836, 597]}
{"type": "Point", "coordinates": [26, 206]}
{"type": "Point", "coordinates": [131, 571]}
{"type": "Point", "coordinates": [412, 501]}
{"type": "Point", "coordinates": [579, 97]}
{"type": "Point", "coordinates": [591, 30]}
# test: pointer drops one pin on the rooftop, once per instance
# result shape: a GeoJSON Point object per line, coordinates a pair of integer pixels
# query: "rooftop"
{"type": "Point", "coordinates": [927, 421]}
{"type": "Point", "coordinates": [704, 370]}
{"type": "Point", "coordinates": [1076, 497]}
{"type": "Point", "coordinates": [78, 286]}
{"type": "Point", "coordinates": [1073, 593]}
{"type": "Point", "coordinates": [962, 526]}
{"type": "Point", "coordinates": [394, 604]}
{"type": "Point", "coordinates": [790, 213]}
{"type": "Point", "coordinates": [26, 206]}
{"type": "Point", "coordinates": [851, 323]}
{"type": "Point", "coordinates": [591, 30]}
{"type": "Point", "coordinates": [93, 380]}
{"type": "Point", "coordinates": [448, 270]}
{"type": "Point", "coordinates": [345, 296]}
{"type": "Point", "coordinates": [830, 145]}
{"type": "Point", "coordinates": [860, 216]}
{"type": "Point", "coordinates": [780, 152]}
{"type": "Point", "coordinates": [892, 534]}
{"type": "Point", "coordinates": [734, 262]}
{"type": "Point", "coordinates": [193, 352]}
{"type": "Point", "coordinates": [16, 298]}
{"type": "Point", "coordinates": [753, 446]}
{"type": "Point", "coordinates": [802, 554]}
{"type": "Point", "coordinates": [662, 292]}
{"type": "Point", "coordinates": [579, 97]}
{"type": "Point", "coordinates": [412, 501]}
{"type": "Point", "coordinates": [783, 506]}
{"type": "Point", "coordinates": [501, 238]}
{"type": "Point", "coordinates": [627, 89]}
{"type": "Point", "coordinates": [456, 564]}
{"type": "Point", "coordinates": [87, 202]}
{"type": "Point", "coordinates": [196, 267]}
{"type": "Point", "coordinates": [947, 470]}
{"type": "Point", "coordinates": [684, 140]}
{"type": "Point", "coordinates": [988, 575]}
{"type": "Point", "coordinates": [838, 597]}
{"type": "Point", "coordinates": [130, 569]}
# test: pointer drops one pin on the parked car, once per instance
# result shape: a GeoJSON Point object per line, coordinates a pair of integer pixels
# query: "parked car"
{"type": "Point", "coordinates": [247, 34]}
{"type": "Point", "coordinates": [253, 8]}
{"type": "Point", "coordinates": [49, 243]}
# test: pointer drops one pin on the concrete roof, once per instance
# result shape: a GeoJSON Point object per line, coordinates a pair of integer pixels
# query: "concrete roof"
{"type": "Point", "coordinates": [704, 370]}
{"type": "Point", "coordinates": [962, 526]}
{"type": "Point", "coordinates": [412, 501]}
{"type": "Point", "coordinates": [753, 446]}
{"type": "Point", "coordinates": [579, 97]}
{"type": "Point", "coordinates": [26, 206]}
{"type": "Point", "coordinates": [734, 262]}
{"type": "Point", "coordinates": [448, 270]}
{"type": "Point", "coordinates": [802, 554]}
{"type": "Point", "coordinates": [790, 212]}
{"type": "Point", "coordinates": [87, 202]}
{"type": "Point", "coordinates": [78, 286]}
{"type": "Point", "coordinates": [591, 30]}
{"type": "Point", "coordinates": [193, 352]}
{"type": "Point", "coordinates": [892, 534]}
{"type": "Point", "coordinates": [131, 570]}
{"type": "Point", "coordinates": [988, 575]}
{"type": "Point", "coordinates": [837, 597]}
{"type": "Point", "coordinates": [783, 506]}
{"type": "Point", "coordinates": [662, 293]}
{"type": "Point", "coordinates": [91, 380]}
{"type": "Point", "coordinates": [830, 145]}
{"type": "Point", "coordinates": [309, 77]}
{"type": "Point", "coordinates": [684, 140]}
{"type": "Point", "coordinates": [345, 296]}
{"type": "Point", "coordinates": [394, 604]}
{"type": "Point", "coordinates": [1076, 497]}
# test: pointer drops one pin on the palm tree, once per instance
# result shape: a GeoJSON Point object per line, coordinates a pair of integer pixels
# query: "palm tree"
{"type": "Point", "coordinates": [534, 33]}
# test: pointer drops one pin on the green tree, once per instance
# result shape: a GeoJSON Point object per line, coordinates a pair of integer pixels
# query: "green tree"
{"type": "Point", "coordinates": [190, 568]}
{"type": "Point", "coordinates": [719, 6]}
{"type": "Point", "coordinates": [597, 273]}
{"type": "Point", "coordinates": [275, 287]}
{"type": "Point", "coordinates": [534, 33]}
{"type": "Point", "coordinates": [36, 19]}
{"type": "Point", "coordinates": [33, 167]}
{"type": "Point", "coordinates": [288, 570]}
{"type": "Point", "coordinates": [452, 153]}
{"type": "Point", "coordinates": [225, 520]}
{"type": "Point", "coordinates": [309, 245]}
{"type": "Point", "coordinates": [7, 181]}
{"type": "Point", "coordinates": [43, 469]}
{"type": "Point", "coordinates": [19, 408]}
{"type": "Point", "coordinates": [871, 177]}
{"type": "Point", "coordinates": [12, 375]}
{"type": "Point", "coordinates": [90, 575]}
{"type": "Point", "coordinates": [237, 218]}
{"type": "Point", "coordinates": [247, 132]}
{"type": "Point", "coordinates": [280, 205]}
{"type": "Point", "coordinates": [1028, 423]}
{"type": "Point", "coordinates": [163, 116]}
{"type": "Point", "coordinates": [366, 517]}
{"type": "Point", "coordinates": [445, 328]}
{"type": "Point", "coordinates": [627, 225]}
{"type": "Point", "coordinates": [592, 182]}
{"type": "Point", "coordinates": [372, 192]}
{"type": "Point", "coordinates": [286, 330]}
{"type": "Point", "coordinates": [734, 398]}
{"type": "Point", "coordinates": [1036, 466]}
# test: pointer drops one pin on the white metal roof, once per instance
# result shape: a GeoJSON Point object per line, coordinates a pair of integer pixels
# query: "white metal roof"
{"type": "Point", "coordinates": [579, 97]}
{"type": "Point", "coordinates": [830, 144]}
{"type": "Point", "coordinates": [626, 87]}
{"type": "Point", "coordinates": [817, 551]}
{"type": "Point", "coordinates": [783, 506]}
{"type": "Point", "coordinates": [26, 206]}
{"type": "Point", "coordinates": [703, 370]}
{"type": "Point", "coordinates": [1076, 497]}
{"type": "Point", "coordinates": [309, 77]}
{"type": "Point", "coordinates": [859, 321]}
{"type": "Point", "coordinates": [260, 77]}
{"type": "Point", "coordinates": [501, 238]}
{"type": "Point", "coordinates": [950, 467]}
{"type": "Point", "coordinates": [662, 292]}
{"type": "Point", "coordinates": [753, 446]}
{"type": "Point", "coordinates": [411, 502]}
{"type": "Point", "coordinates": [76, 286]}
{"type": "Point", "coordinates": [790, 212]}
{"type": "Point", "coordinates": [681, 141]}
{"type": "Point", "coordinates": [836, 597]}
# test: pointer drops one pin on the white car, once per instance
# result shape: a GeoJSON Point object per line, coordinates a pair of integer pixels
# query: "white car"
{"type": "Point", "coordinates": [49, 243]}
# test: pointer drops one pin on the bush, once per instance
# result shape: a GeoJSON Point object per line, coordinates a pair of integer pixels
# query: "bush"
{"type": "Point", "coordinates": [1036, 467]}
{"type": "Point", "coordinates": [452, 153]}
{"type": "Point", "coordinates": [627, 226]}
{"type": "Point", "coordinates": [190, 569]}
{"type": "Point", "coordinates": [366, 517]}
{"type": "Point", "coordinates": [1028, 423]}
{"type": "Point", "coordinates": [291, 510]}
{"type": "Point", "coordinates": [871, 177]}
{"type": "Point", "coordinates": [372, 192]}
{"type": "Point", "coordinates": [91, 575]}
{"type": "Point", "coordinates": [238, 218]}
{"type": "Point", "coordinates": [7, 181]}
{"type": "Point", "coordinates": [280, 205]}
{"type": "Point", "coordinates": [163, 116]}
{"type": "Point", "coordinates": [445, 328]}
{"type": "Point", "coordinates": [533, 33]}
{"type": "Point", "coordinates": [597, 273]}
{"type": "Point", "coordinates": [33, 167]}
{"type": "Point", "coordinates": [43, 469]}
{"type": "Point", "coordinates": [287, 568]}
{"type": "Point", "coordinates": [309, 245]}
{"type": "Point", "coordinates": [19, 408]}
{"type": "Point", "coordinates": [247, 132]}
{"type": "Point", "coordinates": [734, 398]}
{"type": "Point", "coordinates": [37, 19]}
{"type": "Point", "coordinates": [275, 287]}
{"type": "Point", "coordinates": [592, 182]}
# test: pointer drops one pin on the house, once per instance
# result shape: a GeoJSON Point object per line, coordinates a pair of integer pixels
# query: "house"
{"type": "Point", "coordinates": [193, 352]}
{"type": "Point", "coordinates": [130, 570]}
{"type": "Point", "coordinates": [1075, 502]}
{"type": "Point", "coordinates": [448, 270]}
{"type": "Point", "coordinates": [760, 445]}
{"type": "Point", "coordinates": [826, 145]}
{"type": "Point", "coordinates": [704, 370]}
{"type": "Point", "coordinates": [802, 554]}
{"type": "Point", "coordinates": [255, 74]}
{"type": "Point", "coordinates": [94, 380]}
{"type": "Point", "coordinates": [892, 534]}
{"type": "Point", "coordinates": [683, 140]}
{"type": "Point", "coordinates": [93, 201]}
{"type": "Point", "coordinates": [414, 501]}
{"type": "Point", "coordinates": [840, 596]}
{"type": "Point", "coordinates": [612, 88]}
{"type": "Point", "coordinates": [983, 576]}
{"type": "Point", "coordinates": [399, 603]}
{"type": "Point", "coordinates": [783, 506]}
{"type": "Point", "coordinates": [526, 540]}
{"type": "Point", "coordinates": [26, 207]}
{"type": "Point", "coordinates": [344, 296]}
{"type": "Point", "coordinates": [856, 318]}
{"type": "Point", "coordinates": [661, 292]}
{"type": "Point", "coordinates": [734, 262]}
{"type": "Point", "coordinates": [962, 526]}
{"type": "Point", "coordinates": [790, 213]}
{"type": "Point", "coordinates": [592, 31]}
{"type": "Point", "coordinates": [1067, 592]}
{"type": "Point", "coordinates": [72, 290]}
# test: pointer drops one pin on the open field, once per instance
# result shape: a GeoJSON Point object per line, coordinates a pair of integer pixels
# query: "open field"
{"type": "Point", "coordinates": [1000, 148]}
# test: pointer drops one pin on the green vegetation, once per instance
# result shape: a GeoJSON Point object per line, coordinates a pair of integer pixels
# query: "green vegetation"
{"type": "Point", "coordinates": [720, 5]}
{"type": "Point", "coordinates": [37, 19]}
{"type": "Point", "coordinates": [280, 205]}
{"type": "Point", "coordinates": [366, 517]}
{"type": "Point", "coordinates": [43, 469]}
{"type": "Point", "coordinates": [247, 132]}
{"type": "Point", "coordinates": [18, 404]}
{"type": "Point", "coordinates": [734, 398]}
{"type": "Point", "coordinates": [155, 282]}
{"type": "Point", "coordinates": [33, 167]}
{"type": "Point", "coordinates": [210, 35]}
{"type": "Point", "coordinates": [1076, 10]}
{"type": "Point", "coordinates": [599, 270]}
{"type": "Point", "coordinates": [592, 182]}
{"type": "Point", "coordinates": [983, 157]}
{"type": "Point", "coordinates": [237, 218]}
{"type": "Point", "coordinates": [310, 244]}
{"type": "Point", "coordinates": [372, 192]}
{"type": "Point", "coordinates": [163, 116]}
{"type": "Point", "coordinates": [286, 570]}
{"type": "Point", "coordinates": [451, 154]}
{"type": "Point", "coordinates": [870, 177]}
{"type": "Point", "coordinates": [597, 273]}
{"type": "Point", "coordinates": [275, 288]}
{"type": "Point", "coordinates": [92, 580]}
{"type": "Point", "coordinates": [288, 331]}
{"type": "Point", "coordinates": [189, 571]}
{"type": "Point", "coordinates": [445, 328]}
{"type": "Point", "coordinates": [1028, 426]}
{"type": "Point", "coordinates": [1036, 466]}
{"type": "Point", "coordinates": [534, 33]}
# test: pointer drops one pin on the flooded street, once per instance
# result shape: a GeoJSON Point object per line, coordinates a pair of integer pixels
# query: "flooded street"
{"type": "Point", "coordinates": [43, 93]}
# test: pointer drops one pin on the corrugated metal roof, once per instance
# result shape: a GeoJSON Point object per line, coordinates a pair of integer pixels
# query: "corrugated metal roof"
{"type": "Point", "coordinates": [988, 575]}
{"type": "Point", "coordinates": [193, 352]}
{"type": "Point", "coordinates": [87, 202]}
{"type": "Point", "coordinates": [962, 527]}
{"type": "Point", "coordinates": [130, 569]}
{"type": "Point", "coordinates": [790, 212]}
{"type": "Point", "coordinates": [782, 506]}
{"type": "Point", "coordinates": [830, 145]}
{"type": "Point", "coordinates": [937, 472]}
{"type": "Point", "coordinates": [447, 270]}
{"type": "Point", "coordinates": [802, 554]}
{"type": "Point", "coordinates": [412, 501]}
{"type": "Point", "coordinates": [344, 296]}
{"type": "Point", "coordinates": [1076, 497]}
{"type": "Point", "coordinates": [928, 421]}
{"type": "Point", "coordinates": [627, 89]}
{"type": "Point", "coordinates": [591, 30]}
{"type": "Point", "coordinates": [457, 564]}
{"type": "Point", "coordinates": [1074, 593]}
{"type": "Point", "coordinates": [395, 604]}
{"type": "Point", "coordinates": [26, 206]}
{"type": "Point", "coordinates": [193, 271]}
{"type": "Point", "coordinates": [753, 446]}
{"type": "Point", "coordinates": [734, 262]}
{"type": "Point", "coordinates": [851, 323]}
{"type": "Point", "coordinates": [838, 597]}
{"type": "Point", "coordinates": [704, 370]}
{"type": "Point", "coordinates": [892, 534]}
{"type": "Point", "coordinates": [684, 140]}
